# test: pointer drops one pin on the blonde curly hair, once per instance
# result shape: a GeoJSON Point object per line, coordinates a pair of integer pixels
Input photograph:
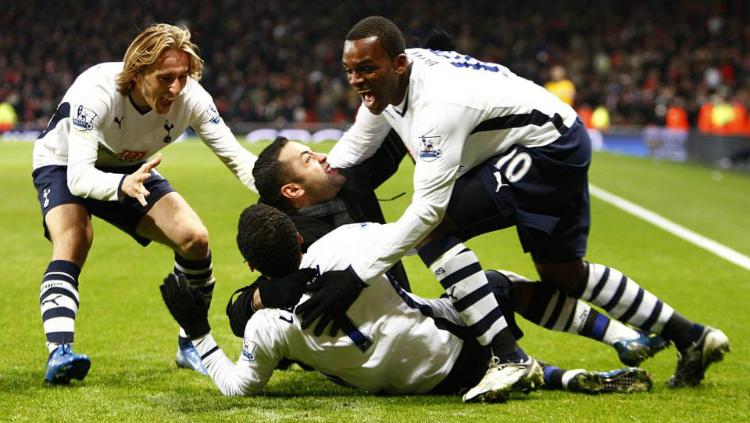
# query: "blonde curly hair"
{"type": "Point", "coordinates": [146, 48]}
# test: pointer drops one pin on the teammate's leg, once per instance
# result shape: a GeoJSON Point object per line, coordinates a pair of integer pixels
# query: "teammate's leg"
{"type": "Point", "coordinates": [459, 272]}
{"type": "Point", "coordinates": [625, 300]}
{"type": "Point", "coordinates": [69, 228]}
{"type": "Point", "coordinates": [543, 304]}
{"type": "Point", "coordinates": [471, 212]}
{"type": "Point", "coordinates": [172, 222]}
{"type": "Point", "coordinates": [67, 225]}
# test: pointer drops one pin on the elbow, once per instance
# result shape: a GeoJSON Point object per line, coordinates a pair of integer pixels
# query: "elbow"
{"type": "Point", "coordinates": [74, 184]}
{"type": "Point", "coordinates": [432, 216]}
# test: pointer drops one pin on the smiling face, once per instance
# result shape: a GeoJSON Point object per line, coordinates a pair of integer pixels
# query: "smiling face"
{"type": "Point", "coordinates": [379, 79]}
{"type": "Point", "coordinates": [160, 84]}
{"type": "Point", "coordinates": [313, 180]}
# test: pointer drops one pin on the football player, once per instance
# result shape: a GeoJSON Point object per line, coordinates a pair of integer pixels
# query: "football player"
{"type": "Point", "coordinates": [392, 342]}
{"type": "Point", "coordinates": [525, 154]}
{"type": "Point", "coordinates": [98, 157]}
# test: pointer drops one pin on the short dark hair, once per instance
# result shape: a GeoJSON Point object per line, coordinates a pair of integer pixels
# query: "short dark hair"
{"type": "Point", "coordinates": [270, 174]}
{"type": "Point", "coordinates": [390, 37]}
{"type": "Point", "coordinates": [267, 239]}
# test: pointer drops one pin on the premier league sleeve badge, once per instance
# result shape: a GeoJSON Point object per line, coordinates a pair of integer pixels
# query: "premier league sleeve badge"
{"type": "Point", "coordinates": [427, 150]}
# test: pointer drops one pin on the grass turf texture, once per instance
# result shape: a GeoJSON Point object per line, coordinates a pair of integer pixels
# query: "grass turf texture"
{"type": "Point", "coordinates": [131, 338]}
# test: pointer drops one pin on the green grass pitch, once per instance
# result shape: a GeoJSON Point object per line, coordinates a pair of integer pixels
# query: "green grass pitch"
{"type": "Point", "coordinates": [131, 338]}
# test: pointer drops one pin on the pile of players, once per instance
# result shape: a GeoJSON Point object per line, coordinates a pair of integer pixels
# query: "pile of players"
{"type": "Point", "coordinates": [491, 151]}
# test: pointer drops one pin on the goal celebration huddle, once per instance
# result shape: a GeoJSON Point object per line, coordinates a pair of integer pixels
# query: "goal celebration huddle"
{"type": "Point", "coordinates": [491, 151]}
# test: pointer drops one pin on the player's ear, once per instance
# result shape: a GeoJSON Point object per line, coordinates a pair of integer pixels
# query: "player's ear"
{"type": "Point", "coordinates": [300, 239]}
{"type": "Point", "coordinates": [292, 190]}
{"type": "Point", "coordinates": [401, 64]}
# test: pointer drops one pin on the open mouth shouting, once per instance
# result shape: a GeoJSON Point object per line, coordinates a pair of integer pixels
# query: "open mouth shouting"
{"type": "Point", "coordinates": [164, 103]}
{"type": "Point", "coordinates": [368, 98]}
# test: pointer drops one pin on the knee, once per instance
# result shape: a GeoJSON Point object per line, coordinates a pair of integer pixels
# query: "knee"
{"type": "Point", "coordinates": [565, 276]}
{"type": "Point", "coordinates": [72, 243]}
{"type": "Point", "coordinates": [195, 243]}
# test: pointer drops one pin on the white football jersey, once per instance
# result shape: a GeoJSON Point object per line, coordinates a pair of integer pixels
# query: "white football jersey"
{"type": "Point", "coordinates": [101, 127]}
{"type": "Point", "coordinates": [394, 345]}
{"type": "Point", "coordinates": [457, 113]}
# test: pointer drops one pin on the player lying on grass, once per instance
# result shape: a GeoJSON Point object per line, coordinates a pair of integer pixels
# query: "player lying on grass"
{"type": "Point", "coordinates": [93, 159]}
{"type": "Point", "coordinates": [392, 341]}
{"type": "Point", "coordinates": [524, 155]}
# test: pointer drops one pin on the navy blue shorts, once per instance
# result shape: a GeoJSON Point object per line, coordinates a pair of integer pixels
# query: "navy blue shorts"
{"type": "Point", "coordinates": [51, 184]}
{"type": "Point", "coordinates": [542, 191]}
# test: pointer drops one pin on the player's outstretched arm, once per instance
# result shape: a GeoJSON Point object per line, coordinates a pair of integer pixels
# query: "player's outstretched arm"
{"type": "Point", "coordinates": [132, 185]}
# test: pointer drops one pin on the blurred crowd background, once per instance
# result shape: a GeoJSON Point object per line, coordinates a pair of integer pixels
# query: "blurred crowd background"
{"type": "Point", "coordinates": [670, 63]}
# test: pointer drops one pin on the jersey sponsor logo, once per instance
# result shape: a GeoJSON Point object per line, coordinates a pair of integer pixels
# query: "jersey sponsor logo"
{"type": "Point", "coordinates": [131, 156]}
{"type": "Point", "coordinates": [427, 150]}
{"type": "Point", "coordinates": [168, 127]}
{"type": "Point", "coordinates": [248, 350]}
{"type": "Point", "coordinates": [119, 121]}
{"type": "Point", "coordinates": [213, 115]}
{"type": "Point", "coordinates": [84, 118]}
{"type": "Point", "coordinates": [439, 271]}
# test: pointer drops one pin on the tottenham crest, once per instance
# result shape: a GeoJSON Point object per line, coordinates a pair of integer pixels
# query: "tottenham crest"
{"type": "Point", "coordinates": [84, 118]}
{"type": "Point", "coordinates": [427, 150]}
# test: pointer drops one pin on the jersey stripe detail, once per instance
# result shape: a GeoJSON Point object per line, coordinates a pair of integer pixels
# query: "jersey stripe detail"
{"type": "Point", "coordinates": [536, 118]}
{"type": "Point", "coordinates": [441, 323]}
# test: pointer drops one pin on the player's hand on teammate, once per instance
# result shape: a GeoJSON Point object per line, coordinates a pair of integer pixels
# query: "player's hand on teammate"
{"type": "Point", "coordinates": [132, 185]}
{"type": "Point", "coordinates": [186, 305]}
{"type": "Point", "coordinates": [286, 291]}
{"type": "Point", "coordinates": [334, 293]}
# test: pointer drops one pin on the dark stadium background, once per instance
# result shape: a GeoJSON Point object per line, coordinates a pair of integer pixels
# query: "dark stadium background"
{"type": "Point", "coordinates": [277, 64]}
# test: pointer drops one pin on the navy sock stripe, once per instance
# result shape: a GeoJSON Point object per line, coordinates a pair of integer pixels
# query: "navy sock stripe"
{"type": "Point", "coordinates": [556, 311]}
{"type": "Point", "coordinates": [653, 317]}
{"type": "Point", "coordinates": [570, 318]}
{"type": "Point", "coordinates": [64, 266]}
{"type": "Point", "coordinates": [60, 276]}
{"type": "Point", "coordinates": [193, 277]}
{"type": "Point", "coordinates": [58, 290]}
{"type": "Point", "coordinates": [633, 307]}
{"type": "Point", "coordinates": [480, 327]}
{"type": "Point", "coordinates": [58, 312]}
{"type": "Point", "coordinates": [600, 284]}
{"type": "Point", "coordinates": [60, 337]}
{"type": "Point", "coordinates": [433, 250]}
{"type": "Point", "coordinates": [209, 352]}
{"type": "Point", "coordinates": [618, 294]}
{"type": "Point", "coordinates": [193, 264]}
{"type": "Point", "coordinates": [472, 298]}
{"type": "Point", "coordinates": [553, 377]}
{"type": "Point", "coordinates": [460, 274]}
{"type": "Point", "coordinates": [601, 323]}
{"type": "Point", "coordinates": [539, 301]}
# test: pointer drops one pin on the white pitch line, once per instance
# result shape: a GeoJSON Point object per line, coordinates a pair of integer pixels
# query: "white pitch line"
{"type": "Point", "coordinates": [701, 241]}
